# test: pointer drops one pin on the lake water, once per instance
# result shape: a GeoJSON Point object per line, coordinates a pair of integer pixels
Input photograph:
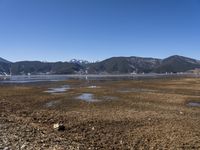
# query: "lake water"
{"type": "Point", "coordinates": [50, 78]}
{"type": "Point", "coordinates": [34, 78]}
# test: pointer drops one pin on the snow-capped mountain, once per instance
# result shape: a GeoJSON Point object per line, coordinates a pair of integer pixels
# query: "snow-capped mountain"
{"type": "Point", "coordinates": [80, 62]}
{"type": "Point", "coordinates": [4, 60]}
{"type": "Point", "coordinates": [114, 65]}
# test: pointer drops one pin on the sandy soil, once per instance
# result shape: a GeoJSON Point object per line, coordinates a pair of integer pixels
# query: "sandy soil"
{"type": "Point", "coordinates": [144, 114]}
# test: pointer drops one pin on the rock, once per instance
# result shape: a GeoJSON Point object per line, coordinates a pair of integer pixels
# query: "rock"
{"type": "Point", "coordinates": [23, 146]}
{"type": "Point", "coordinates": [121, 142]}
{"type": "Point", "coordinates": [181, 113]}
{"type": "Point", "coordinates": [59, 127]}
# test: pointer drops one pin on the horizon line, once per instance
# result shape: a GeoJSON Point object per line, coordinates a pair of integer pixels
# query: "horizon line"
{"type": "Point", "coordinates": [95, 60]}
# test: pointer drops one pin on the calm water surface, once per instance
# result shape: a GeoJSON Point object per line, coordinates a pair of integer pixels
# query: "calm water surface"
{"type": "Point", "coordinates": [51, 78]}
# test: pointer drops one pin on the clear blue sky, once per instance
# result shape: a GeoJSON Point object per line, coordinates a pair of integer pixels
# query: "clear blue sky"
{"type": "Point", "coordinates": [52, 30]}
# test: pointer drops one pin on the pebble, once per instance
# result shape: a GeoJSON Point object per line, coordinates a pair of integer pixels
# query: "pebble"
{"type": "Point", "coordinates": [23, 146]}
{"type": "Point", "coordinates": [121, 142]}
{"type": "Point", "coordinates": [59, 127]}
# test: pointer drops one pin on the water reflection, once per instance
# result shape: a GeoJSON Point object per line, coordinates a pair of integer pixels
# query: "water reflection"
{"type": "Point", "coordinates": [88, 97]}
{"type": "Point", "coordinates": [61, 89]}
{"type": "Point", "coordinates": [43, 78]}
{"type": "Point", "coordinates": [93, 87]}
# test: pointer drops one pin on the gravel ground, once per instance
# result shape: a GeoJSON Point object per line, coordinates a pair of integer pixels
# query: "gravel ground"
{"type": "Point", "coordinates": [155, 115]}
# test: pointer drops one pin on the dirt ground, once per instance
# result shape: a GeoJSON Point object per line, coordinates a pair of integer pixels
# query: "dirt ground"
{"type": "Point", "coordinates": [145, 114]}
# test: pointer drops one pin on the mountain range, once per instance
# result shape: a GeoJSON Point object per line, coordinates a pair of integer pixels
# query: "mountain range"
{"type": "Point", "coordinates": [114, 65]}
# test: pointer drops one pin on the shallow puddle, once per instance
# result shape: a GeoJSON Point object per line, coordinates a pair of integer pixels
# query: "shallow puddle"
{"type": "Point", "coordinates": [61, 89]}
{"type": "Point", "coordinates": [88, 97]}
{"type": "Point", "coordinates": [93, 87]}
{"type": "Point", "coordinates": [194, 104]}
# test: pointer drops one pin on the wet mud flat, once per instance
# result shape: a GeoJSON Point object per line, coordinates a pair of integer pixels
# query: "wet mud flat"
{"type": "Point", "coordinates": [123, 114]}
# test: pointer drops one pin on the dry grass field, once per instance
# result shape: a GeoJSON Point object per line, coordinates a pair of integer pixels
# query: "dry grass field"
{"type": "Point", "coordinates": [128, 114]}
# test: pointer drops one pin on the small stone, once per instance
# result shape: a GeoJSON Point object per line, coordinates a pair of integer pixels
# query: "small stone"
{"type": "Point", "coordinates": [23, 146]}
{"type": "Point", "coordinates": [181, 113]}
{"type": "Point", "coordinates": [121, 142]}
{"type": "Point", "coordinates": [93, 128]}
{"type": "Point", "coordinates": [59, 127]}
